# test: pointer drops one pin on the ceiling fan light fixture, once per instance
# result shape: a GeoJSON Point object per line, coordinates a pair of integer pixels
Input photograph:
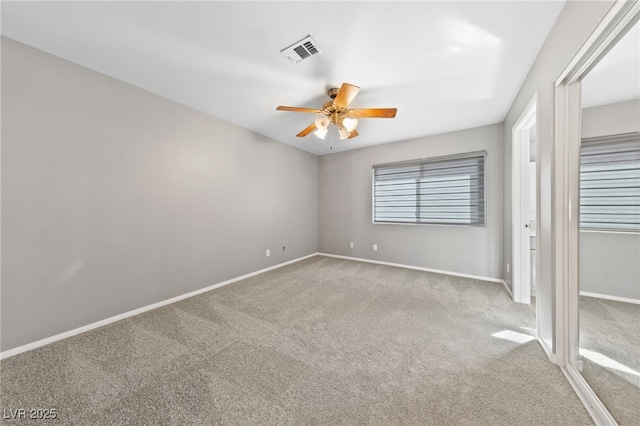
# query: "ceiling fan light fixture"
{"type": "Point", "coordinates": [350, 124]}
{"type": "Point", "coordinates": [322, 122]}
{"type": "Point", "coordinates": [344, 133]}
{"type": "Point", "coordinates": [321, 133]}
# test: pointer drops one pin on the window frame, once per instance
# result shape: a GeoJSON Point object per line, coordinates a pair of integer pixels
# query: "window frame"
{"type": "Point", "coordinates": [427, 160]}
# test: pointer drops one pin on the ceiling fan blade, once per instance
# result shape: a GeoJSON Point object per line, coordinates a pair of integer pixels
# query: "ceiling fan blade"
{"type": "Point", "coordinates": [345, 95]}
{"type": "Point", "coordinates": [353, 134]}
{"type": "Point", "coordinates": [372, 112]}
{"type": "Point", "coordinates": [306, 131]}
{"type": "Point", "coordinates": [298, 109]}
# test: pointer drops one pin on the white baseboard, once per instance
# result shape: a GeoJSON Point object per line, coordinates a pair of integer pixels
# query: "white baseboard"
{"type": "Point", "coordinates": [606, 296]}
{"type": "Point", "coordinates": [29, 346]}
{"type": "Point", "coordinates": [39, 343]}
{"type": "Point", "coordinates": [589, 399]}
{"type": "Point", "coordinates": [418, 268]}
{"type": "Point", "coordinates": [506, 287]}
{"type": "Point", "coordinates": [547, 350]}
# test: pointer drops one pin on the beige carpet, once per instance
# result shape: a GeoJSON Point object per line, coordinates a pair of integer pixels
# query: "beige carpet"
{"type": "Point", "coordinates": [319, 342]}
{"type": "Point", "coordinates": [610, 333]}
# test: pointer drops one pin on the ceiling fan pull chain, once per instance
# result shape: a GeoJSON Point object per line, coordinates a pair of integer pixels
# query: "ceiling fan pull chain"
{"type": "Point", "coordinates": [331, 146]}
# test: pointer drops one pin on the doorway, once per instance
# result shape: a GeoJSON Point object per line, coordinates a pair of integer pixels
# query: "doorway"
{"type": "Point", "coordinates": [524, 202]}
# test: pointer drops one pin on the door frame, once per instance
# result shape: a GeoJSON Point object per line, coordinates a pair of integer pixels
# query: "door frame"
{"type": "Point", "coordinates": [520, 232]}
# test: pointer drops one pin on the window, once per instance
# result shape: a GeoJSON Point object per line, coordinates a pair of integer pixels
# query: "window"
{"type": "Point", "coordinates": [443, 190]}
{"type": "Point", "coordinates": [610, 183]}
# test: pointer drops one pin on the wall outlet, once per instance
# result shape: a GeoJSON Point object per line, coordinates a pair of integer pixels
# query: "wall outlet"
{"type": "Point", "coordinates": [283, 249]}
{"type": "Point", "coordinates": [268, 252]}
{"type": "Point", "coordinates": [375, 247]}
{"type": "Point", "coordinates": [508, 267]}
{"type": "Point", "coordinates": [351, 244]}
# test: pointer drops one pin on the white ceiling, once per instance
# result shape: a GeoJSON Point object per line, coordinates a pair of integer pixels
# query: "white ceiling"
{"type": "Point", "coordinates": [445, 65]}
{"type": "Point", "coordinates": [616, 77]}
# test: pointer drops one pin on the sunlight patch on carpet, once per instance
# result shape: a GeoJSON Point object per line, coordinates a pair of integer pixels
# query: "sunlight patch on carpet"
{"type": "Point", "coordinates": [513, 336]}
{"type": "Point", "coordinates": [607, 362]}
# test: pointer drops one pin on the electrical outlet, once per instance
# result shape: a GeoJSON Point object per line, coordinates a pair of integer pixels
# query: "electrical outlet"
{"type": "Point", "coordinates": [351, 244]}
{"type": "Point", "coordinates": [375, 247]}
{"type": "Point", "coordinates": [268, 252]}
{"type": "Point", "coordinates": [508, 267]}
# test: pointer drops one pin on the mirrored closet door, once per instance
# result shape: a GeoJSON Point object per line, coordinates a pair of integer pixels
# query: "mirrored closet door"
{"type": "Point", "coordinates": [609, 230]}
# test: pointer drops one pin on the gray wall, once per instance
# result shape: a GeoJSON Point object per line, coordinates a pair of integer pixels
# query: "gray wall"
{"type": "Point", "coordinates": [114, 198]}
{"type": "Point", "coordinates": [609, 261]}
{"type": "Point", "coordinates": [575, 22]}
{"type": "Point", "coordinates": [345, 208]}
{"type": "Point", "coordinates": [611, 119]}
{"type": "Point", "coordinates": [609, 264]}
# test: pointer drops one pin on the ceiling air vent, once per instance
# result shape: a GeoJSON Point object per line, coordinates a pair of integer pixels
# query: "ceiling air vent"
{"type": "Point", "coordinates": [301, 50]}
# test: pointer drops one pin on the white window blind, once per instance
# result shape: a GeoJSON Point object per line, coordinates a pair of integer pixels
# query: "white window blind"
{"type": "Point", "coordinates": [442, 190]}
{"type": "Point", "coordinates": [610, 183]}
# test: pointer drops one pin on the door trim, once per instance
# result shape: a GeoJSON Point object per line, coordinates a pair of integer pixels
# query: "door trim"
{"type": "Point", "coordinates": [520, 199]}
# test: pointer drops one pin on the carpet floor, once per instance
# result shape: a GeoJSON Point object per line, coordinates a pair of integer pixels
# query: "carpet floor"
{"type": "Point", "coordinates": [610, 352]}
{"type": "Point", "coordinates": [322, 341]}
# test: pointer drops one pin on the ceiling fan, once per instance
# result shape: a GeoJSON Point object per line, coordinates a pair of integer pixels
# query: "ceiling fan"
{"type": "Point", "coordinates": [336, 112]}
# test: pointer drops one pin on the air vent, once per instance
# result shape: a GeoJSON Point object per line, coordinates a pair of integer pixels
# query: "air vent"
{"type": "Point", "coordinates": [301, 50]}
